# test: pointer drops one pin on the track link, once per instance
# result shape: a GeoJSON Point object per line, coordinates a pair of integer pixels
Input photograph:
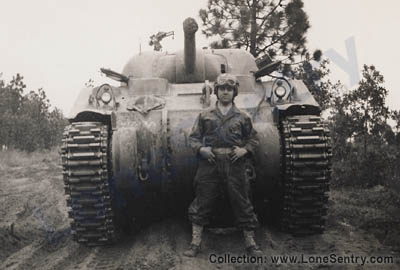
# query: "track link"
{"type": "Point", "coordinates": [306, 169]}
{"type": "Point", "coordinates": [86, 174]}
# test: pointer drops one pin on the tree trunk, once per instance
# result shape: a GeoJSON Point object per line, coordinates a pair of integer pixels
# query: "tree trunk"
{"type": "Point", "coordinates": [365, 133]}
{"type": "Point", "coordinates": [253, 28]}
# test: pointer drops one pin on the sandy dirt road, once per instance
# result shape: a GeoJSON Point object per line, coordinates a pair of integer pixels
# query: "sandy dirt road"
{"type": "Point", "coordinates": [34, 231]}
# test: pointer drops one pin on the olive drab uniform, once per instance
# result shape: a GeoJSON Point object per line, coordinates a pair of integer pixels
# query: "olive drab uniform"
{"type": "Point", "coordinates": [222, 132]}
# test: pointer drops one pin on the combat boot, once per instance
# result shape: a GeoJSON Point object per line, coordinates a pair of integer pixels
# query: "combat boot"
{"type": "Point", "coordinates": [250, 244]}
{"type": "Point", "coordinates": [194, 248]}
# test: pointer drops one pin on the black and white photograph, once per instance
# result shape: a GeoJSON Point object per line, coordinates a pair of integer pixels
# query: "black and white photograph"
{"type": "Point", "coordinates": [209, 134]}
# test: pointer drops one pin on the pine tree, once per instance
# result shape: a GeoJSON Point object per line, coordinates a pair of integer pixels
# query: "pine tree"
{"type": "Point", "coordinates": [259, 26]}
{"type": "Point", "coordinates": [26, 121]}
{"type": "Point", "coordinates": [367, 106]}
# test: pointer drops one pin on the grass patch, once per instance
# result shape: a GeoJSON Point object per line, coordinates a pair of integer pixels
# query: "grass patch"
{"type": "Point", "coordinates": [375, 210]}
{"type": "Point", "coordinates": [16, 158]}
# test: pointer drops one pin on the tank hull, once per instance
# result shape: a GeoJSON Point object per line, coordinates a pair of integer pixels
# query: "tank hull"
{"type": "Point", "coordinates": [151, 151]}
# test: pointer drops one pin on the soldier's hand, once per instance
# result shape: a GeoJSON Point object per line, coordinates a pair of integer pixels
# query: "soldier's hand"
{"type": "Point", "coordinates": [206, 152]}
{"type": "Point", "coordinates": [237, 153]}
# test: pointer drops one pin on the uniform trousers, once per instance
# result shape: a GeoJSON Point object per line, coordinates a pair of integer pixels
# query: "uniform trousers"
{"type": "Point", "coordinates": [213, 181]}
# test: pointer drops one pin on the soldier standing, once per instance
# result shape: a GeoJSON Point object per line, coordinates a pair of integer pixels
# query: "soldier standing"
{"type": "Point", "coordinates": [223, 137]}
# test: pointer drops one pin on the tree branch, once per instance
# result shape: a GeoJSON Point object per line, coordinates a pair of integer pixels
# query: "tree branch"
{"type": "Point", "coordinates": [277, 40]}
{"type": "Point", "coordinates": [259, 51]}
{"type": "Point", "coordinates": [248, 3]}
{"type": "Point", "coordinates": [269, 13]}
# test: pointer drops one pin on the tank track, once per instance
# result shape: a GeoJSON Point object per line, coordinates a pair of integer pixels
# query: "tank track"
{"type": "Point", "coordinates": [306, 157]}
{"type": "Point", "coordinates": [86, 173]}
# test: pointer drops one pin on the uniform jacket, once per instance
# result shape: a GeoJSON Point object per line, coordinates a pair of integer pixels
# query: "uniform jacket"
{"type": "Point", "coordinates": [214, 129]}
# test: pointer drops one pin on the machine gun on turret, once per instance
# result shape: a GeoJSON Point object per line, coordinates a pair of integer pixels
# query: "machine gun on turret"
{"type": "Point", "coordinates": [155, 40]}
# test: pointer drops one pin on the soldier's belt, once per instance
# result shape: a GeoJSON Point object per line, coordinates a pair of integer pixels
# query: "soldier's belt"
{"type": "Point", "coordinates": [222, 151]}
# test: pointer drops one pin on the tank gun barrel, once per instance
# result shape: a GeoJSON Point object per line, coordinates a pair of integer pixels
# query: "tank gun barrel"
{"type": "Point", "coordinates": [190, 28]}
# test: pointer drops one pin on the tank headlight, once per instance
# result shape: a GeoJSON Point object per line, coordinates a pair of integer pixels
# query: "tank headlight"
{"type": "Point", "coordinates": [280, 91]}
{"type": "Point", "coordinates": [106, 97]}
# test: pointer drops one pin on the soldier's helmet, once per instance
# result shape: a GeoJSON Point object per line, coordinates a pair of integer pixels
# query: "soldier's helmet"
{"type": "Point", "coordinates": [229, 80]}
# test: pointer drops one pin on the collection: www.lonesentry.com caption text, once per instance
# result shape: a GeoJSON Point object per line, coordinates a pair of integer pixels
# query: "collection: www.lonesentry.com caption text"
{"type": "Point", "coordinates": [300, 259]}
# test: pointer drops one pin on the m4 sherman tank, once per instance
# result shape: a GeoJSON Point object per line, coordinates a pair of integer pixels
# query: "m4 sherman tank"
{"type": "Point", "coordinates": [126, 153]}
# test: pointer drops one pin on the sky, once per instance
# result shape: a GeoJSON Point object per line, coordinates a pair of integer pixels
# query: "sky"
{"type": "Point", "coordinates": [58, 45]}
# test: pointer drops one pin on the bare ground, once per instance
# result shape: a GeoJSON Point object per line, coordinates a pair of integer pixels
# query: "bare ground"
{"type": "Point", "coordinates": [34, 230]}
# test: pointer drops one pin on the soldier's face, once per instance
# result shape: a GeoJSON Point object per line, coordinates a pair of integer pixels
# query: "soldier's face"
{"type": "Point", "coordinates": [225, 94]}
